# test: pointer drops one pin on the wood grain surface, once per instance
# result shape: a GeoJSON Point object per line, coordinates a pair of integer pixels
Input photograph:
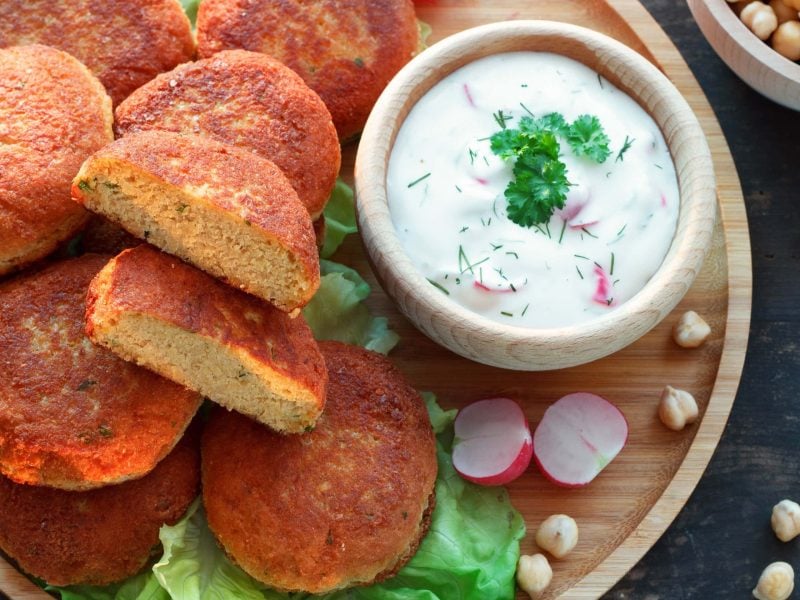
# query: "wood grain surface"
{"type": "Point", "coordinates": [624, 511]}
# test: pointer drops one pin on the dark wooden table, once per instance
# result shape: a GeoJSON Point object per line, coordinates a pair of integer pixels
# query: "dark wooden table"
{"type": "Point", "coordinates": [722, 539]}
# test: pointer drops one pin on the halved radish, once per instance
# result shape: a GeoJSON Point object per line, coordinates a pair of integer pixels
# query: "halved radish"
{"type": "Point", "coordinates": [492, 444]}
{"type": "Point", "coordinates": [578, 436]}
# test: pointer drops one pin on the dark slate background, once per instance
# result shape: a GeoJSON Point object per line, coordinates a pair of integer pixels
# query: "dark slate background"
{"type": "Point", "coordinates": [722, 539]}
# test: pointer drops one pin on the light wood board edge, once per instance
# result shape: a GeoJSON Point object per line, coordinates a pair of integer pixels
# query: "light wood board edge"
{"type": "Point", "coordinates": [18, 586]}
{"type": "Point", "coordinates": [754, 61]}
{"type": "Point", "coordinates": [734, 219]}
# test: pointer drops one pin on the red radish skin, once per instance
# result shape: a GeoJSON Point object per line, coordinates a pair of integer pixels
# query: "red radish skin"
{"type": "Point", "coordinates": [493, 444]}
{"type": "Point", "coordinates": [603, 287]}
{"type": "Point", "coordinates": [577, 438]}
{"type": "Point", "coordinates": [469, 96]}
{"type": "Point", "coordinates": [480, 286]}
{"type": "Point", "coordinates": [581, 225]}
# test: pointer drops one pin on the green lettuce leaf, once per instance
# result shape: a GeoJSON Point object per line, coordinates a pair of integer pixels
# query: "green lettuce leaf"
{"type": "Point", "coordinates": [143, 586]}
{"type": "Point", "coordinates": [190, 8]}
{"type": "Point", "coordinates": [336, 311]}
{"type": "Point", "coordinates": [194, 568]}
{"type": "Point", "coordinates": [440, 419]}
{"type": "Point", "coordinates": [424, 30]}
{"type": "Point", "coordinates": [340, 218]}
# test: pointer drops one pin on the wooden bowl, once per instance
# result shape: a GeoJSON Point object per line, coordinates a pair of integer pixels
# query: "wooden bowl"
{"type": "Point", "coordinates": [479, 338]}
{"type": "Point", "coordinates": [754, 61]}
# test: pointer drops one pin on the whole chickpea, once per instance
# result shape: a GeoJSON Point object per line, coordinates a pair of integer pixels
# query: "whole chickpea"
{"type": "Point", "coordinates": [533, 574]}
{"type": "Point", "coordinates": [786, 520]}
{"type": "Point", "coordinates": [760, 19]}
{"type": "Point", "coordinates": [786, 40]}
{"type": "Point", "coordinates": [691, 330]}
{"type": "Point", "coordinates": [558, 535]}
{"type": "Point", "coordinates": [677, 408]}
{"type": "Point", "coordinates": [776, 582]}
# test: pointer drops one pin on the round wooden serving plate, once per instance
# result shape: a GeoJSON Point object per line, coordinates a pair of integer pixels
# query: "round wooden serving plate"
{"type": "Point", "coordinates": [625, 510]}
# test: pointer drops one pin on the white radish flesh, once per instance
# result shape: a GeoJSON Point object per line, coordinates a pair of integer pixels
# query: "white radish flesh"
{"type": "Point", "coordinates": [577, 437]}
{"type": "Point", "coordinates": [492, 444]}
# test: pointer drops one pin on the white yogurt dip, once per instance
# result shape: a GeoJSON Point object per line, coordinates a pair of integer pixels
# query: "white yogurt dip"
{"type": "Point", "coordinates": [446, 195]}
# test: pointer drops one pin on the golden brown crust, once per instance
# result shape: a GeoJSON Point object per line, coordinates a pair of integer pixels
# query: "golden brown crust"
{"type": "Point", "coordinates": [144, 281]}
{"type": "Point", "coordinates": [53, 114]}
{"type": "Point", "coordinates": [99, 536]}
{"type": "Point", "coordinates": [73, 415]}
{"type": "Point", "coordinates": [335, 507]}
{"type": "Point", "coordinates": [251, 189]}
{"type": "Point", "coordinates": [124, 43]}
{"type": "Point", "coordinates": [346, 50]}
{"type": "Point", "coordinates": [249, 100]}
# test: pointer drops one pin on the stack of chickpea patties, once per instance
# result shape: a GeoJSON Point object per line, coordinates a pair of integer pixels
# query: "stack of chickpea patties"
{"type": "Point", "coordinates": [345, 504]}
{"type": "Point", "coordinates": [90, 460]}
{"type": "Point", "coordinates": [318, 465]}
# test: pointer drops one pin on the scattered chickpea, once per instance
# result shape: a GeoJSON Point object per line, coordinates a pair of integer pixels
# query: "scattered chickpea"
{"type": "Point", "coordinates": [760, 19]}
{"type": "Point", "coordinates": [783, 11]}
{"type": "Point", "coordinates": [786, 40]}
{"type": "Point", "coordinates": [533, 574]}
{"type": "Point", "coordinates": [558, 535]}
{"type": "Point", "coordinates": [691, 330]}
{"type": "Point", "coordinates": [776, 582]}
{"type": "Point", "coordinates": [677, 408]}
{"type": "Point", "coordinates": [786, 520]}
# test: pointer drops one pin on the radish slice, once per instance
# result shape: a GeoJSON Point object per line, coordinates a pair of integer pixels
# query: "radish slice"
{"type": "Point", "coordinates": [577, 437]}
{"type": "Point", "coordinates": [492, 444]}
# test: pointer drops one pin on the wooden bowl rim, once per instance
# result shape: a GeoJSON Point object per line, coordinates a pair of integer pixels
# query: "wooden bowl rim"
{"type": "Point", "coordinates": [680, 266]}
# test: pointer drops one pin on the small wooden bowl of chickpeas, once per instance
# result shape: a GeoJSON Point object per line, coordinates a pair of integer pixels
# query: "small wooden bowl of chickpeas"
{"type": "Point", "coordinates": [759, 40]}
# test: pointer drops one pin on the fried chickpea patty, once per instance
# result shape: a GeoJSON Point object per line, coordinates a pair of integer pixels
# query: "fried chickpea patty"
{"type": "Point", "coordinates": [232, 347]}
{"type": "Point", "coordinates": [251, 101]}
{"type": "Point", "coordinates": [53, 114]}
{"type": "Point", "coordinates": [73, 415]}
{"type": "Point", "coordinates": [346, 504]}
{"type": "Point", "coordinates": [346, 50]}
{"type": "Point", "coordinates": [124, 43]}
{"type": "Point", "coordinates": [99, 536]}
{"type": "Point", "coordinates": [223, 209]}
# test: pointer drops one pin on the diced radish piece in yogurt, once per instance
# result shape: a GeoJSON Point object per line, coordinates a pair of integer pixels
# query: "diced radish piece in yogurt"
{"type": "Point", "coordinates": [467, 93]}
{"type": "Point", "coordinates": [577, 198]}
{"type": "Point", "coordinates": [601, 293]}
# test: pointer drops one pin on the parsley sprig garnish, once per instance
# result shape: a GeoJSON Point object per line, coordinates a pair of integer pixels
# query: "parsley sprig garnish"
{"type": "Point", "coordinates": [540, 181]}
